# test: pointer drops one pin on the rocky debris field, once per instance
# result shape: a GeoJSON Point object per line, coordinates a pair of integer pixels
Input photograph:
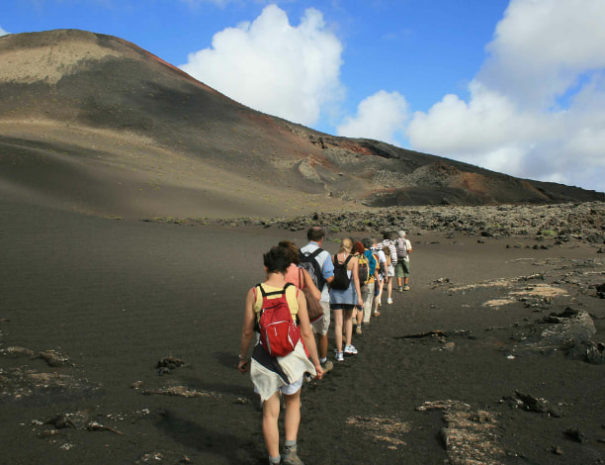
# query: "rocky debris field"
{"type": "Point", "coordinates": [560, 223]}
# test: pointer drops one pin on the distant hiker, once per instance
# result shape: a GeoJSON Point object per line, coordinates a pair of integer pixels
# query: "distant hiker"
{"type": "Point", "coordinates": [390, 273]}
{"type": "Point", "coordinates": [275, 375]}
{"type": "Point", "coordinates": [319, 264]}
{"type": "Point", "coordinates": [363, 272]}
{"type": "Point", "coordinates": [390, 250]}
{"type": "Point", "coordinates": [345, 294]}
{"type": "Point", "coordinates": [382, 271]}
{"type": "Point", "coordinates": [367, 289]}
{"type": "Point", "coordinates": [404, 249]}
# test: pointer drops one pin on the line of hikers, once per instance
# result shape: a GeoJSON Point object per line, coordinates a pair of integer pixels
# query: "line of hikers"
{"type": "Point", "coordinates": [302, 289]}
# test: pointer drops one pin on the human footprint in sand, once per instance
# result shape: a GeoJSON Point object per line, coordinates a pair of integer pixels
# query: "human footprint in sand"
{"type": "Point", "coordinates": [273, 376]}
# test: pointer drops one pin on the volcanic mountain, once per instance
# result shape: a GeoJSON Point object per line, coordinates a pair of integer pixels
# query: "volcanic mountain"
{"type": "Point", "coordinates": [95, 124]}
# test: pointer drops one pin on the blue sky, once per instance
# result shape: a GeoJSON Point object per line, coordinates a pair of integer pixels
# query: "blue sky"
{"type": "Point", "coordinates": [512, 85]}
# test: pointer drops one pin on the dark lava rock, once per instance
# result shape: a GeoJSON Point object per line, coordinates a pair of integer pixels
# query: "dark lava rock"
{"type": "Point", "coordinates": [575, 435]}
{"type": "Point", "coordinates": [590, 352]}
{"type": "Point", "coordinates": [531, 403]}
{"type": "Point", "coordinates": [167, 364]}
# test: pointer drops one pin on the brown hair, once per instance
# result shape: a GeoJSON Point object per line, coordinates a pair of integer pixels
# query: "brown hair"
{"type": "Point", "coordinates": [291, 251]}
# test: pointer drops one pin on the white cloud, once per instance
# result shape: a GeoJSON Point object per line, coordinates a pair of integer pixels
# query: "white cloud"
{"type": "Point", "coordinates": [515, 119]}
{"type": "Point", "coordinates": [541, 47]}
{"type": "Point", "coordinates": [381, 116]}
{"type": "Point", "coordinates": [284, 70]}
{"type": "Point", "coordinates": [2, 32]}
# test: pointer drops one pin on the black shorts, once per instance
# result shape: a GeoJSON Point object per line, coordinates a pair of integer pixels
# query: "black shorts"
{"type": "Point", "coordinates": [342, 307]}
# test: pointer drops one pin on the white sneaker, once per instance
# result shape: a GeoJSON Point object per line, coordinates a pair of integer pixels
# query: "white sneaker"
{"type": "Point", "coordinates": [350, 350]}
{"type": "Point", "coordinates": [339, 357]}
{"type": "Point", "coordinates": [389, 301]}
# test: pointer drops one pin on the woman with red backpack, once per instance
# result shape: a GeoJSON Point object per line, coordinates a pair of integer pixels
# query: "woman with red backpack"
{"type": "Point", "coordinates": [280, 360]}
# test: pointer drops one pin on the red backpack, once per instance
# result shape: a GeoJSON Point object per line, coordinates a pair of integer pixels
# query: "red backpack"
{"type": "Point", "coordinates": [278, 332]}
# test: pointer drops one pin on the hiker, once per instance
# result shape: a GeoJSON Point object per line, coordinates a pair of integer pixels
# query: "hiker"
{"type": "Point", "coordinates": [275, 375]}
{"type": "Point", "coordinates": [390, 274]}
{"type": "Point", "coordinates": [345, 294]}
{"type": "Point", "coordinates": [364, 274]}
{"type": "Point", "coordinates": [295, 274]}
{"type": "Point", "coordinates": [314, 258]}
{"type": "Point", "coordinates": [382, 271]}
{"type": "Point", "coordinates": [404, 249]}
{"type": "Point", "coordinates": [388, 245]}
{"type": "Point", "coordinates": [367, 290]}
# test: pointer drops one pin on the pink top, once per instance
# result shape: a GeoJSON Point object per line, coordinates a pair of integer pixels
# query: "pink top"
{"type": "Point", "coordinates": [293, 275]}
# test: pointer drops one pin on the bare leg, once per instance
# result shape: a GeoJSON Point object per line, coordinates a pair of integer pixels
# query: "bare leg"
{"type": "Point", "coordinates": [359, 316]}
{"type": "Point", "coordinates": [292, 416]}
{"type": "Point", "coordinates": [323, 346]}
{"type": "Point", "coordinates": [337, 314]}
{"type": "Point", "coordinates": [390, 288]}
{"type": "Point", "coordinates": [270, 428]}
{"type": "Point", "coordinates": [377, 299]}
{"type": "Point", "coordinates": [348, 323]}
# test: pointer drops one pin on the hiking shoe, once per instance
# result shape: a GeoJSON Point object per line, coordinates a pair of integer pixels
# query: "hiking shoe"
{"type": "Point", "coordinates": [350, 350]}
{"type": "Point", "coordinates": [406, 288]}
{"type": "Point", "coordinates": [327, 366]}
{"type": "Point", "coordinates": [400, 289]}
{"type": "Point", "coordinates": [389, 301]}
{"type": "Point", "coordinates": [358, 330]}
{"type": "Point", "coordinates": [339, 357]}
{"type": "Point", "coordinates": [290, 457]}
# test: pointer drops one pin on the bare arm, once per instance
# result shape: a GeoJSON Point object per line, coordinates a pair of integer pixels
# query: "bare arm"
{"type": "Point", "coordinates": [355, 272]}
{"type": "Point", "coordinates": [307, 333]}
{"type": "Point", "coordinates": [247, 333]}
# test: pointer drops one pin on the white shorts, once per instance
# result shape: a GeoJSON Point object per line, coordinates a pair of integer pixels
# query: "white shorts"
{"type": "Point", "coordinates": [289, 389]}
{"type": "Point", "coordinates": [322, 325]}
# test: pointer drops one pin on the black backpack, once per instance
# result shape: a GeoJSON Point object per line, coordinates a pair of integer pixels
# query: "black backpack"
{"type": "Point", "coordinates": [341, 277]}
{"type": "Point", "coordinates": [307, 261]}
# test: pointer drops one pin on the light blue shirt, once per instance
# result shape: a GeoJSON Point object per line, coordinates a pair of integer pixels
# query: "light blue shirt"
{"type": "Point", "coordinates": [325, 262]}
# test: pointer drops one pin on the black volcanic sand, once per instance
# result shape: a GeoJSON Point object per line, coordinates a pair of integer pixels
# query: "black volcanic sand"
{"type": "Point", "coordinates": [113, 298]}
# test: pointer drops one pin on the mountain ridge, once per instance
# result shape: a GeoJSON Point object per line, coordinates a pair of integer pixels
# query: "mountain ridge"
{"type": "Point", "coordinates": [158, 142]}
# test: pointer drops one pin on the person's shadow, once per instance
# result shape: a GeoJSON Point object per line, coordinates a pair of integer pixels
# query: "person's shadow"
{"type": "Point", "coordinates": [208, 441]}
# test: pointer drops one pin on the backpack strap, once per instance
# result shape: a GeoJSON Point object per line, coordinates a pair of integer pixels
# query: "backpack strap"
{"type": "Point", "coordinates": [266, 294]}
{"type": "Point", "coordinates": [317, 252]}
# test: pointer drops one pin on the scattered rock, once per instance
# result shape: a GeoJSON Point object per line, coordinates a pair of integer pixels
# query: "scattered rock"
{"type": "Point", "coordinates": [18, 383]}
{"type": "Point", "coordinates": [137, 385]}
{"type": "Point", "coordinates": [562, 331]}
{"type": "Point", "coordinates": [18, 351]}
{"type": "Point", "coordinates": [180, 391]}
{"type": "Point", "coordinates": [557, 450]}
{"type": "Point", "coordinates": [590, 352]}
{"type": "Point", "coordinates": [54, 358]}
{"type": "Point", "coordinates": [576, 435]}
{"type": "Point", "coordinates": [167, 364]}
{"type": "Point", "coordinates": [530, 403]}
{"type": "Point", "coordinates": [383, 429]}
{"type": "Point", "coordinates": [470, 436]}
